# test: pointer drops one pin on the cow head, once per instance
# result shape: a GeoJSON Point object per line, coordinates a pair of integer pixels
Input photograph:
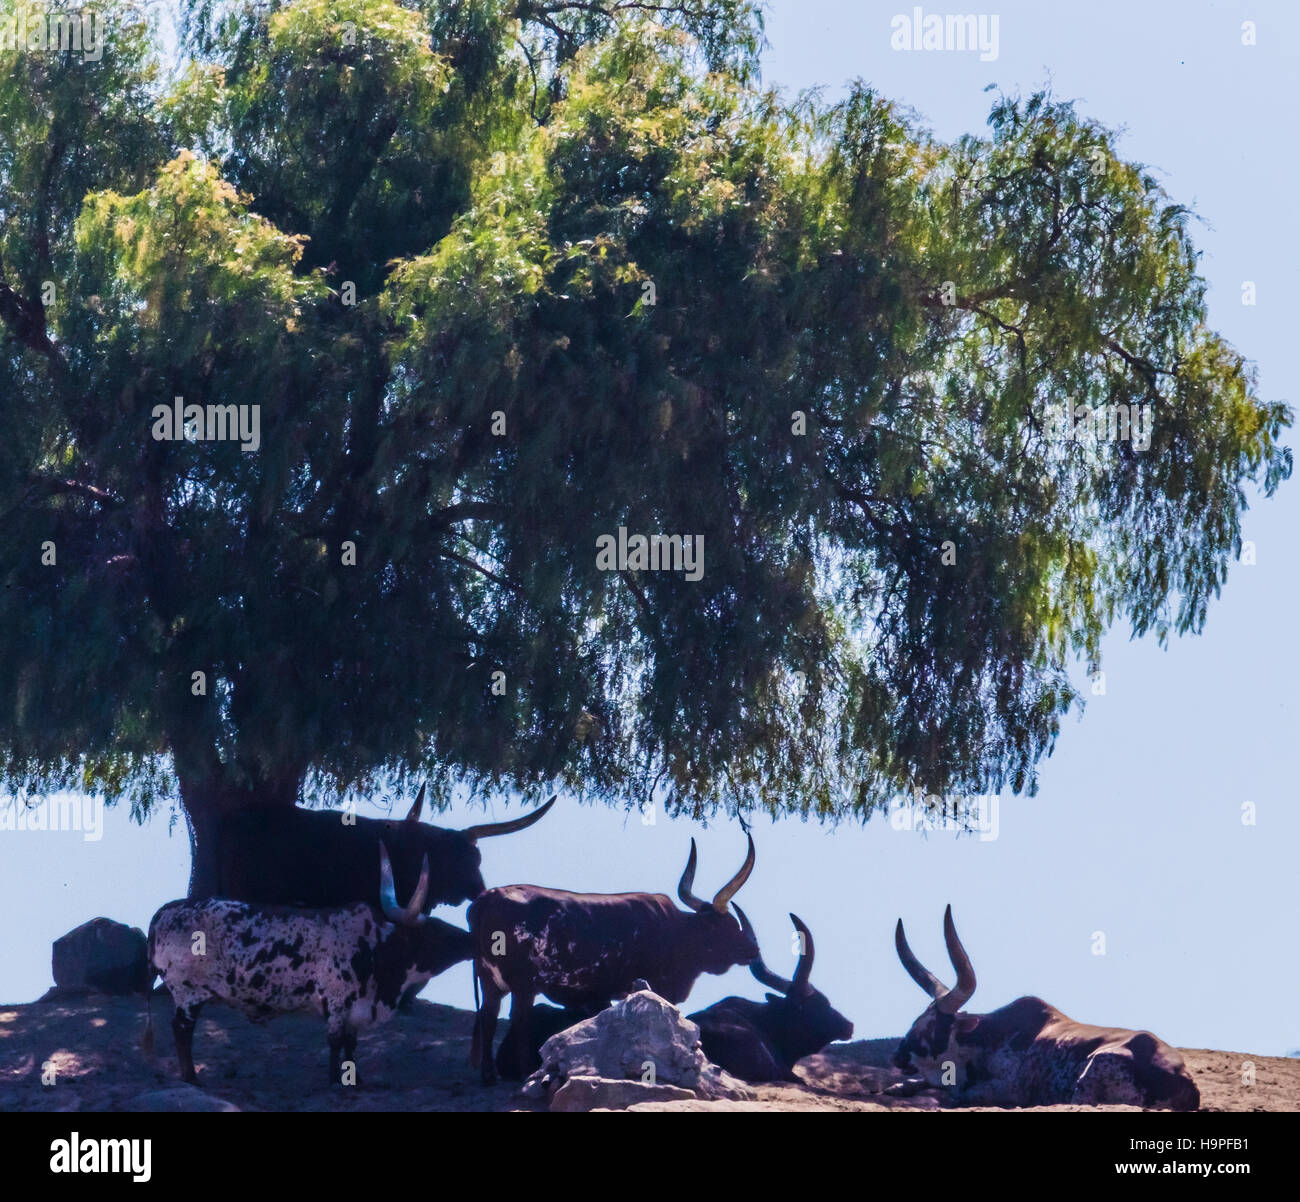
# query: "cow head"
{"type": "Point", "coordinates": [455, 852]}
{"type": "Point", "coordinates": [807, 1021]}
{"type": "Point", "coordinates": [718, 937]}
{"type": "Point", "coordinates": [929, 1043]}
{"type": "Point", "coordinates": [431, 944]}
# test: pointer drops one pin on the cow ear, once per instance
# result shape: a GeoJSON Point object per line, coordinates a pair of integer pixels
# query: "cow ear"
{"type": "Point", "coordinates": [774, 997]}
{"type": "Point", "coordinates": [414, 815]}
{"type": "Point", "coordinates": [966, 1023]}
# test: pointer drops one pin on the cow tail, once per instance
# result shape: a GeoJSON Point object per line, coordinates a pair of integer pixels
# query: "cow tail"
{"type": "Point", "coordinates": [151, 975]}
{"type": "Point", "coordinates": [475, 1047]}
{"type": "Point", "coordinates": [146, 1038]}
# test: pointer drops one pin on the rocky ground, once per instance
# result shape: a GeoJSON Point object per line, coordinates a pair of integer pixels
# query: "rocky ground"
{"type": "Point", "coordinates": [88, 1049]}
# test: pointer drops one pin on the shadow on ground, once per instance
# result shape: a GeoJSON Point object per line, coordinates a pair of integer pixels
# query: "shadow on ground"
{"type": "Point", "coordinates": [83, 1054]}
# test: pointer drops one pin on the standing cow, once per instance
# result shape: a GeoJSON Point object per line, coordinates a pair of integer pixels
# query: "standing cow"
{"type": "Point", "coordinates": [762, 1041]}
{"type": "Point", "coordinates": [295, 857]}
{"type": "Point", "coordinates": [582, 949]}
{"type": "Point", "coordinates": [1028, 1053]}
{"type": "Point", "coordinates": [341, 962]}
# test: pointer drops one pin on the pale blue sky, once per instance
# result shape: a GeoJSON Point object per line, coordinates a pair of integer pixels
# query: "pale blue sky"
{"type": "Point", "coordinates": [1136, 831]}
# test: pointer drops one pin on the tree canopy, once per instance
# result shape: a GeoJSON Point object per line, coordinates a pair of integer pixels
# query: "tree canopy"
{"type": "Point", "coordinates": [504, 277]}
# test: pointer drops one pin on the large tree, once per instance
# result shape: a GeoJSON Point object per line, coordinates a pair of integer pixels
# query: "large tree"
{"type": "Point", "coordinates": [505, 277]}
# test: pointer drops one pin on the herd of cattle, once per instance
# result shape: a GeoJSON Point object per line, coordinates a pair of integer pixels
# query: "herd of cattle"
{"type": "Point", "coordinates": [307, 917]}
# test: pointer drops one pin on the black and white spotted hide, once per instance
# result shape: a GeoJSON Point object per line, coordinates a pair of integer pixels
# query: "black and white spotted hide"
{"type": "Point", "coordinates": [345, 963]}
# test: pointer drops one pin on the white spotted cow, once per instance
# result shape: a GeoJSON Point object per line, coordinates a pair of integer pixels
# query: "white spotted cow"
{"type": "Point", "coordinates": [342, 962]}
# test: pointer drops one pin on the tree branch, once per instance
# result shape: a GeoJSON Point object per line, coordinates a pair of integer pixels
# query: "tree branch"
{"type": "Point", "coordinates": [78, 488]}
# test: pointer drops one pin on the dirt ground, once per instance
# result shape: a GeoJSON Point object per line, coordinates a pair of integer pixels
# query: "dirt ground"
{"type": "Point", "coordinates": [88, 1050]}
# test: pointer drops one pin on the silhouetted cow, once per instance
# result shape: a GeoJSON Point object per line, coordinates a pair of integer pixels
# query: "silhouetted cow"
{"type": "Point", "coordinates": [543, 1022]}
{"type": "Point", "coordinates": [295, 857]}
{"type": "Point", "coordinates": [761, 1041]}
{"type": "Point", "coordinates": [582, 949]}
{"type": "Point", "coordinates": [266, 960]}
{"type": "Point", "coordinates": [1028, 1053]}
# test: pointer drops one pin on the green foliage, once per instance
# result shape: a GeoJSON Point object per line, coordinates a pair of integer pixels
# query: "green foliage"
{"type": "Point", "coordinates": [393, 226]}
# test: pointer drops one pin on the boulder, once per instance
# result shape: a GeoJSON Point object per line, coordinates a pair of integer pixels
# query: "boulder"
{"type": "Point", "coordinates": [101, 955]}
{"type": "Point", "coordinates": [600, 1093]}
{"type": "Point", "coordinates": [642, 1041]}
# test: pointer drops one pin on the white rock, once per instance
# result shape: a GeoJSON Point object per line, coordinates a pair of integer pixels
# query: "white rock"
{"type": "Point", "coordinates": [600, 1093]}
{"type": "Point", "coordinates": [642, 1039]}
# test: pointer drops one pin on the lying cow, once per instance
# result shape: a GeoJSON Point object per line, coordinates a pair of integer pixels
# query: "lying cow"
{"type": "Point", "coordinates": [1028, 1053]}
{"type": "Point", "coordinates": [341, 962]}
{"type": "Point", "coordinates": [543, 1022]}
{"type": "Point", "coordinates": [761, 1041]}
{"type": "Point", "coordinates": [582, 949]}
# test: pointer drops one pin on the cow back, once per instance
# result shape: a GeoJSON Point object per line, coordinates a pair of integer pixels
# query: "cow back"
{"type": "Point", "coordinates": [312, 858]}
{"type": "Point", "coordinates": [577, 948]}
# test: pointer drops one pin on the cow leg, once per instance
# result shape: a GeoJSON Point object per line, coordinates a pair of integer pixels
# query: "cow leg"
{"type": "Point", "coordinates": [1107, 1078]}
{"type": "Point", "coordinates": [521, 1030]}
{"type": "Point", "coordinates": [762, 1063]}
{"type": "Point", "coordinates": [485, 1030]}
{"type": "Point", "coordinates": [343, 1048]}
{"type": "Point", "coordinates": [350, 1053]}
{"type": "Point", "coordinates": [343, 1042]}
{"type": "Point", "coordinates": [184, 1021]}
{"type": "Point", "coordinates": [743, 1051]}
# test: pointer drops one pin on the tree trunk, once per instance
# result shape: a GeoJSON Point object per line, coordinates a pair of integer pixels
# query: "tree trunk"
{"type": "Point", "coordinates": [206, 801]}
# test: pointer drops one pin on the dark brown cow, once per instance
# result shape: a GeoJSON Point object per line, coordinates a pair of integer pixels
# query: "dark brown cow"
{"type": "Point", "coordinates": [1028, 1053]}
{"type": "Point", "coordinates": [761, 1041]}
{"type": "Point", "coordinates": [582, 949]}
{"type": "Point", "coordinates": [295, 857]}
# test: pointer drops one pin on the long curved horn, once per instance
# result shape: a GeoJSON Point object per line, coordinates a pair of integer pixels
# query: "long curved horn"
{"type": "Point", "coordinates": [803, 969]}
{"type": "Point", "coordinates": [729, 890]}
{"type": "Point", "coordinates": [960, 993]}
{"type": "Point", "coordinates": [487, 829]}
{"type": "Point", "coordinates": [412, 913]}
{"type": "Point", "coordinates": [415, 907]}
{"type": "Point", "coordinates": [387, 890]}
{"type": "Point", "coordinates": [688, 879]}
{"type": "Point", "coordinates": [915, 969]}
{"type": "Point", "coordinates": [760, 970]}
{"type": "Point", "coordinates": [414, 815]}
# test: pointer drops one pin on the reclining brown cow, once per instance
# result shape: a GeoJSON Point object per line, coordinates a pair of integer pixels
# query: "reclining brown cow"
{"type": "Point", "coordinates": [1028, 1053]}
